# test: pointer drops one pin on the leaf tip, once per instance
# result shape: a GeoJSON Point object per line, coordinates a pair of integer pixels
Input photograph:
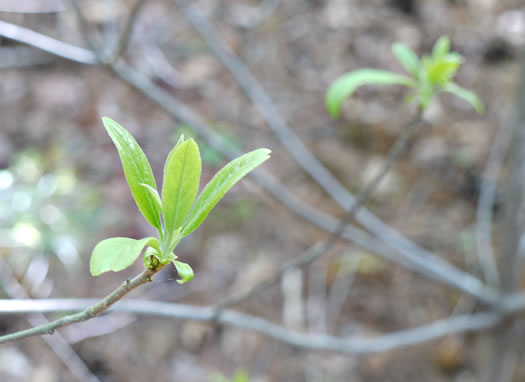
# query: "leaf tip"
{"type": "Point", "coordinates": [184, 270]}
{"type": "Point", "coordinates": [107, 121]}
{"type": "Point", "coordinates": [266, 152]}
{"type": "Point", "coordinates": [192, 142]}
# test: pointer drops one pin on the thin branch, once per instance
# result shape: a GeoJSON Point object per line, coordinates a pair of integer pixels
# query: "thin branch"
{"type": "Point", "coordinates": [503, 355]}
{"type": "Point", "coordinates": [123, 41]}
{"type": "Point", "coordinates": [88, 31]}
{"type": "Point", "coordinates": [409, 256]}
{"type": "Point", "coordinates": [484, 211]}
{"type": "Point", "coordinates": [47, 44]}
{"type": "Point", "coordinates": [339, 291]}
{"type": "Point", "coordinates": [395, 340]}
{"type": "Point", "coordinates": [88, 313]}
{"type": "Point", "coordinates": [512, 304]}
{"type": "Point", "coordinates": [57, 343]}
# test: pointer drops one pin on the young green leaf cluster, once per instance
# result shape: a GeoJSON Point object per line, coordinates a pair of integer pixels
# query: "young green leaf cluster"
{"type": "Point", "coordinates": [175, 214]}
{"type": "Point", "coordinates": [238, 376]}
{"type": "Point", "coordinates": [429, 76]}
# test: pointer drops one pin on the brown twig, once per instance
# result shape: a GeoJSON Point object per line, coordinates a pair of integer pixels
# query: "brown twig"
{"type": "Point", "coordinates": [87, 313]}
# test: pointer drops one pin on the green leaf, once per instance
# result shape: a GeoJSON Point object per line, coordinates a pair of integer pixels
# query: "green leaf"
{"type": "Point", "coordinates": [344, 86]}
{"type": "Point", "coordinates": [464, 94]}
{"type": "Point", "coordinates": [406, 57]}
{"type": "Point", "coordinates": [241, 376]}
{"type": "Point", "coordinates": [441, 47]}
{"type": "Point", "coordinates": [117, 253]}
{"type": "Point", "coordinates": [182, 174]}
{"type": "Point", "coordinates": [220, 184]}
{"type": "Point", "coordinates": [137, 170]}
{"type": "Point", "coordinates": [184, 270]}
{"type": "Point", "coordinates": [154, 194]}
{"type": "Point", "coordinates": [442, 70]}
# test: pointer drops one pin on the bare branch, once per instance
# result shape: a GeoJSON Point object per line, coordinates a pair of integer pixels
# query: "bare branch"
{"type": "Point", "coordinates": [123, 41]}
{"type": "Point", "coordinates": [485, 206]}
{"type": "Point", "coordinates": [88, 31]}
{"type": "Point", "coordinates": [57, 343]}
{"type": "Point", "coordinates": [396, 340]}
{"type": "Point", "coordinates": [503, 357]}
{"type": "Point", "coordinates": [88, 313]}
{"type": "Point", "coordinates": [47, 44]}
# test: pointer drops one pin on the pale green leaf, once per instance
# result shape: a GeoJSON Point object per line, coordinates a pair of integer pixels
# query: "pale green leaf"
{"type": "Point", "coordinates": [241, 376]}
{"type": "Point", "coordinates": [154, 194]}
{"type": "Point", "coordinates": [182, 174]}
{"type": "Point", "coordinates": [440, 71]}
{"type": "Point", "coordinates": [137, 170]}
{"type": "Point", "coordinates": [406, 57]}
{"type": "Point", "coordinates": [184, 270]}
{"type": "Point", "coordinates": [343, 87]}
{"type": "Point", "coordinates": [220, 184]}
{"type": "Point", "coordinates": [441, 47]}
{"type": "Point", "coordinates": [117, 253]}
{"type": "Point", "coordinates": [464, 94]}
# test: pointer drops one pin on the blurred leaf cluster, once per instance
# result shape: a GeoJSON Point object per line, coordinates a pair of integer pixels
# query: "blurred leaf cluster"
{"type": "Point", "coordinates": [428, 76]}
{"type": "Point", "coordinates": [45, 207]}
{"type": "Point", "coordinates": [238, 376]}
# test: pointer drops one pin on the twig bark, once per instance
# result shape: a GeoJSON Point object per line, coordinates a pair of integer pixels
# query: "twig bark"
{"type": "Point", "coordinates": [89, 32]}
{"type": "Point", "coordinates": [503, 357]}
{"type": "Point", "coordinates": [484, 211]}
{"type": "Point", "coordinates": [367, 345]}
{"type": "Point", "coordinates": [57, 343]}
{"type": "Point", "coordinates": [88, 313]}
{"type": "Point", "coordinates": [47, 44]}
{"type": "Point", "coordinates": [123, 41]}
